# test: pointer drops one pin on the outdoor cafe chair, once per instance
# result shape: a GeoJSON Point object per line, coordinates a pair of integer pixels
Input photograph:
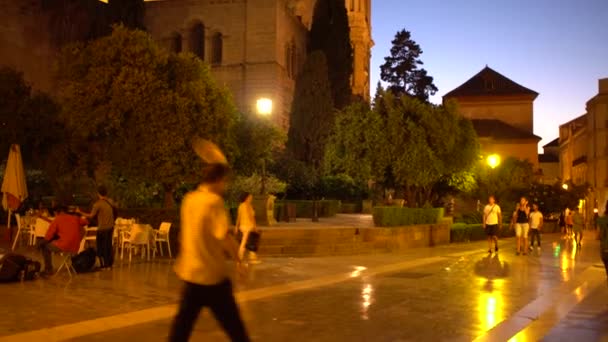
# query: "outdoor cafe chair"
{"type": "Point", "coordinates": [22, 229]}
{"type": "Point", "coordinates": [66, 264]}
{"type": "Point", "coordinates": [138, 236]}
{"type": "Point", "coordinates": [40, 228]}
{"type": "Point", "coordinates": [162, 235]}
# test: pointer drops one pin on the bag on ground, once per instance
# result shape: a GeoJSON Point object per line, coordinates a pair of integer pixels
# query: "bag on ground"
{"type": "Point", "coordinates": [84, 261]}
{"type": "Point", "coordinates": [15, 266]}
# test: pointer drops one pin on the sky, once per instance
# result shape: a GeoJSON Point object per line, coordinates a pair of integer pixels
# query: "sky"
{"type": "Point", "coordinates": [559, 48]}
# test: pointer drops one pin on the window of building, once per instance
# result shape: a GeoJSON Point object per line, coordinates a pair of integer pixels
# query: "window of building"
{"type": "Point", "coordinates": [197, 40]}
{"type": "Point", "coordinates": [352, 5]}
{"type": "Point", "coordinates": [176, 43]}
{"type": "Point", "coordinates": [217, 47]}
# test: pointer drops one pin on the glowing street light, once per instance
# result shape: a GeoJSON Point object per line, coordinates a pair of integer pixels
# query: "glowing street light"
{"type": "Point", "coordinates": [264, 106]}
{"type": "Point", "coordinates": [565, 186]}
{"type": "Point", "coordinates": [493, 160]}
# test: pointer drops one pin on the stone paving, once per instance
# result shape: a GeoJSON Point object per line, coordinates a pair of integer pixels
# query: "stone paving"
{"type": "Point", "coordinates": [445, 293]}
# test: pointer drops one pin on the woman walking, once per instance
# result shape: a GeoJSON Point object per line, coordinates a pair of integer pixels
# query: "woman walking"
{"type": "Point", "coordinates": [245, 223]}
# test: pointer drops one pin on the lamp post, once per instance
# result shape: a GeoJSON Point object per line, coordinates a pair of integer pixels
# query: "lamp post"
{"type": "Point", "coordinates": [493, 160]}
{"type": "Point", "coordinates": [264, 108]}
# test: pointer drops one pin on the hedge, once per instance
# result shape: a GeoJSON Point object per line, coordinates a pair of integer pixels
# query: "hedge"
{"type": "Point", "coordinates": [396, 216]}
{"type": "Point", "coordinates": [351, 208]}
{"type": "Point", "coordinates": [462, 232]}
{"type": "Point", "coordinates": [325, 208]}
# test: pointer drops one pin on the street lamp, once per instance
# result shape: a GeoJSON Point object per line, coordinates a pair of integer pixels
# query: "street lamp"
{"type": "Point", "coordinates": [493, 160]}
{"type": "Point", "coordinates": [565, 186]}
{"type": "Point", "coordinates": [264, 108]}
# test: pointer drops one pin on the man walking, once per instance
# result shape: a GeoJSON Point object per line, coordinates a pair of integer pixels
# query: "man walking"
{"type": "Point", "coordinates": [201, 263]}
{"type": "Point", "coordinates": [602, 223]}
{"type": "Point", "coordinates": [103, 211]}
{"type": "Point", "coordinates": [492, 222]}
{"type": "Point", "coordinates": [536, 224]}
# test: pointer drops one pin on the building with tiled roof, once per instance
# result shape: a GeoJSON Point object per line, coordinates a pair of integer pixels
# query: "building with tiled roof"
{"type": "Point", "coordinates": [502, 113]}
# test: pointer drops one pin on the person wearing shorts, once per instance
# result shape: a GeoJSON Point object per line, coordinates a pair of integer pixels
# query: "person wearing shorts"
{"type": "Point", "coordinates": [522, 227]}
{"type": "Point", "coordinates": [536, 224]}
{"type": "Point", "coordinates": [492, 219]}
{"type": "Point", "coordinates": [578, 223]}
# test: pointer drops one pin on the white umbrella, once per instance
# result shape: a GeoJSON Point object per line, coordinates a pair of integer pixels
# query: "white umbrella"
{"type": "Point", "coordinates": [14, 187]}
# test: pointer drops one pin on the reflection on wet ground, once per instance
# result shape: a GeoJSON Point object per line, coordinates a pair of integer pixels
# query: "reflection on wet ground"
{"type": "Point", "coordinates": [456, 292]}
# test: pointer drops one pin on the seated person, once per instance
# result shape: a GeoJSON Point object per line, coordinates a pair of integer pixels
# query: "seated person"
{"type": "Point", "coordinates": [64, 235]}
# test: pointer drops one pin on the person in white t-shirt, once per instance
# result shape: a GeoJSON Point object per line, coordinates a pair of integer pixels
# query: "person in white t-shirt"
{"type": "Point", "coordinates": [245, 223]}
{"type": "Point", "coordinates": [201, 263]}
{"type": "Point", "coordinates": [492, 223]}
{"type": "Point", "coordinates": [536, 224]}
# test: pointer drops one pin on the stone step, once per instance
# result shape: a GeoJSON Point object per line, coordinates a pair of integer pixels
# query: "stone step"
{"type": "Point", "coordinates": [323, 249]}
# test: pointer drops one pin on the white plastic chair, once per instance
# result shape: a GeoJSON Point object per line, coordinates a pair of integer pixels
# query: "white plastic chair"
{"type": "Point", "coordinates": [67, 263]}
{"type": "Point", "coordinates": [22, 229]}
{"type": "Point", "coordinates": [88, 237]}
{"type": "Point", "coordinates": [138, 236]}
{"type": "Point", "coordinates": [40, 228]}
{"type": "Point", "coordinates": [162, 235]}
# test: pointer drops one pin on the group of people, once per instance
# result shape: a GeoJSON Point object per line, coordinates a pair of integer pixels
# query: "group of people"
{"type": "Point", "coordinates": [572, 223]}
{"type": "Point", "coordinates": [67, 230]}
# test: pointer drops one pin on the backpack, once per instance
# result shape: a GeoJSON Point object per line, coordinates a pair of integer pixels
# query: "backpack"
{"type": "Point", "coordinates": [84, 261]}
{"type": "Point", "coordinates": [14, 267]}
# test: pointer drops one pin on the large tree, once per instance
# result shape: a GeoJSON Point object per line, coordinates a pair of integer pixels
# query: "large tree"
{"type": "Point", "coordinates": [402, 69]}
{"type": "Point", "coordinates": [132, 104]}
{"type": "Point", "coordinates": [312, 113]}
{"type": "Point", "coordinates": [403, 143]}
{"type": "Point", "coordinates": [330, 33]}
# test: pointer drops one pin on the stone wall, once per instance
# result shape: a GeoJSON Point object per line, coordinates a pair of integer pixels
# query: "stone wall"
{"type": "Point", "coordinates": [517, 149]}
{"type": "Point", "coordinates": [516, 112]}
{"type": "Point", "coordinates": [350, 241]}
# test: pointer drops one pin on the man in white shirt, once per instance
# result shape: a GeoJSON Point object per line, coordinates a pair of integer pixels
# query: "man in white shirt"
{"type": "Point", "coordinates": [201, 263]}
{"type": "Point", "coordinates": [492, 223]}
{"type": "Point", "coordinates": [536, 224]}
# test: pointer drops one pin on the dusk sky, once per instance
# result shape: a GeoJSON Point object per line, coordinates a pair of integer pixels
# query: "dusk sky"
{"type": "Point", "coordinates": [559, 48]}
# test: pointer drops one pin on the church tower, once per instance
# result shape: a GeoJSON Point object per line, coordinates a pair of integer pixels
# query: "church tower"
{"type": "Point", "coordinates": [359, 17]}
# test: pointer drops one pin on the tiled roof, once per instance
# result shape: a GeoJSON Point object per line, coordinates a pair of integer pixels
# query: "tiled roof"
{"type": "Point", "coordinates": [489, 82]}
{"type": "Point", "coordinates": [554, 143]}
{"type": "Point", "coordinates": [492, 128]}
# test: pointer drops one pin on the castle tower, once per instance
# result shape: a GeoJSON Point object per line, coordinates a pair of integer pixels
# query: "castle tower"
{"type": "Point", "coordinates": [359, 17]}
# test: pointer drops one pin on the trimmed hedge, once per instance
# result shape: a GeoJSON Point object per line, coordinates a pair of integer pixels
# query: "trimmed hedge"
{"type": "Point", "coordinates": [462, 232]}
{"type": "Point", "coordinates": [326, 208]}
{"type": "Point", "coordinates": [396, 216]}
{"type": "Point", "coordinates": [351, 208]}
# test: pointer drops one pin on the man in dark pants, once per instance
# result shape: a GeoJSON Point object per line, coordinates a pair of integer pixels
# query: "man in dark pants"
{"type": "Point", "coordinates": [602, 223]}
{"type": "Point", "coordinates": [201, 263]}
{"type": "Point", "coordinates": [103, 211]}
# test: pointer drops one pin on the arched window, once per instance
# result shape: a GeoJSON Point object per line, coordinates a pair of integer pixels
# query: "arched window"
{"type": "Point", "coordinates": [197, 40]}
{"type": "Point", "coordinates": [175, 43]}
{"type": "Point", "coordinates": [217, 45]}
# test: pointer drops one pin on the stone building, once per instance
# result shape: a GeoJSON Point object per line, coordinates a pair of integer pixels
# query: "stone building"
{"type": "Point", "coordinates": [502, 113]}
{"type": "Point", "coordinates": [548, 162]}
{"type": "Point", "coordinates": [256, 48]}
{"type": "Point", "coordinates": [583, 149]}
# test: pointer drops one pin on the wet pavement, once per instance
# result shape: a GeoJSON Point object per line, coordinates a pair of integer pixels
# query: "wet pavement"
{"type": "Point", "coordinates": [448, 293]}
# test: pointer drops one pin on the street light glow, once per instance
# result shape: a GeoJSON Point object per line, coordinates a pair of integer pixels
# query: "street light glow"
{"type": "Point", "coordinates": [493, 160]}
{"type": "Point", "coordinates": [565, 186]}
{"type": "Point", "coordinates": [264, 106]}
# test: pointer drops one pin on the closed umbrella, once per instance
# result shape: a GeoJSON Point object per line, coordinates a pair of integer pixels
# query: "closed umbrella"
{"type": "Point", "coordinates": [14, 187]}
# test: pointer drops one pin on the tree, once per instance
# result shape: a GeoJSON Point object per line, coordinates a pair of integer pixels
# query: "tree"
{"type": "Point", "coordinates": [259, 140]}
{"type": "Point", "coordinates": [405, 143]}
{"type": "Point", "coordinates": [401, 70]}
{"type": "Point", "coordinates": [27, 118]}
{"type": "Point", "coordinates": [137, 107]}
{"type": "Point", "coordinates": [312, 113]}
{"type": "Point", "coordinates": [330, 33]}
{"type": "Point", "coordinates": [129, 13]}
{"type": "Point", "coordinates": [510, 180]}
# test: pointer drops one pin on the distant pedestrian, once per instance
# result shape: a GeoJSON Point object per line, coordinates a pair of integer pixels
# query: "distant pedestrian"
{"type": "Point", "coordinates": [103, 212]}
{"type": "Point", "coordinates": [562, 223]}
{"type": "Point", "coordinates": [602, 223]}
{"type": "Point", "coordinates": [569, 222]}
{"type": "Point", "coordinates": [492, 223]}
{"type": "Point", "coordinates": [520, 221]}
{"type": "Point", "coordinates": [245, 224]}
{"type": "Point", "coordinates": [201, 263]}
{"type": "Point", "coordinates": [578, 224]}
{"type": "Point", "coordinates": [536, 225]}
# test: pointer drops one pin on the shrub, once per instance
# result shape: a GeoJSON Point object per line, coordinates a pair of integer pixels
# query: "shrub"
{"type": "Point", "coordinates": [396, 216]}
{"type": "Point", "coordinates": [326, 208]}
{"type": "Point", "coordinates": [351, 208]}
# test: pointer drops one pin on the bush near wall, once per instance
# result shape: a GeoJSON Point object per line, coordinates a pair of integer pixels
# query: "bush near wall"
{"type": "Point", "coordinates": [396, 216]}
{"type": "Point", "coordinates": [351, 208]}
{"type": "Point", "coordinates": [462, 232]}
{"type": "Point", "coordinates": [326, 208]}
